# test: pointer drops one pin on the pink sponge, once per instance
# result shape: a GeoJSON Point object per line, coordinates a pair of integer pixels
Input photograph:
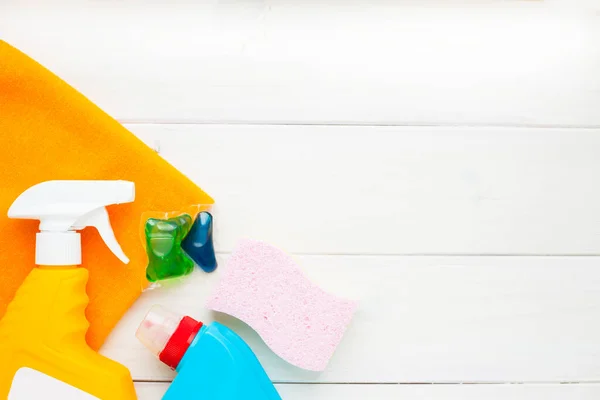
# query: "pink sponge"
{"type": "Point", "coordinates": [262, 286]}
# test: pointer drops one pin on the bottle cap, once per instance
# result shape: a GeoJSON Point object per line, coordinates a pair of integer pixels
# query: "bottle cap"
{"type": "Point", "coordinates": [167, 335]}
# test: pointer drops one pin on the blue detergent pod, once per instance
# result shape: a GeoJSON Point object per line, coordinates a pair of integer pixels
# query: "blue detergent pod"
{"type": "Point", "coordinates": [198, 243]}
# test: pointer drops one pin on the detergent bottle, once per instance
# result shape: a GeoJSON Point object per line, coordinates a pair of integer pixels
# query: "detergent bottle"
{"type": "Point", "coordinates": [42, 334]}
{"type": "Point", "coordinates": [212, 361]}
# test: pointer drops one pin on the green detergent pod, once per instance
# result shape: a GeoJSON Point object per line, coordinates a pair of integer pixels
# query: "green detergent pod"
{"type": "Point", "coordinates": [166, 258]}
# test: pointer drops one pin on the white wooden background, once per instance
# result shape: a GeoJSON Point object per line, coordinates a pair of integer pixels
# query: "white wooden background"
{"type": "Point", "coordinates": [438, 161]}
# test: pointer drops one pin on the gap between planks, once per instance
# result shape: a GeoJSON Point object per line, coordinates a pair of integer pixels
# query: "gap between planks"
{"type": "Point", "coordinates": [491, 383]}
{"type": "Point", "coordinates": [408, 124]}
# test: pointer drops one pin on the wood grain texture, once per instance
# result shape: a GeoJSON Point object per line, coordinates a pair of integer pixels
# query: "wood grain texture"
{"type": "Point", "coordinates": [154, 391]}
{"type": "Point", "coordinates": [345, 62]}
{"type": "Point", "coordinates": [394, 190]}
{"type": "Point", "coordinates": [423, 319]}
{"type": "Point", "coordinates": [437, 231]}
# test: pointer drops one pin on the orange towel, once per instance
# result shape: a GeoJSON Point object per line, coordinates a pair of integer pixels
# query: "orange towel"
{"type": "Point", "coordinates": [50, 131]}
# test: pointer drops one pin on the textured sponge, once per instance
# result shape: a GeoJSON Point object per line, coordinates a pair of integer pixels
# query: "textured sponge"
{"type": "Point", "coordinates": [262, 286]}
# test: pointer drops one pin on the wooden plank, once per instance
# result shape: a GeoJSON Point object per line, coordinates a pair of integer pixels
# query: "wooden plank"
{"type": "Point", "coordinates": [402, 62]}
{"type": "Point", "coordinates": [154, 391]}
{"type": "Point", "coordinates": [423, 319]}
{"type": "Point", "coordinates": [394, 190]}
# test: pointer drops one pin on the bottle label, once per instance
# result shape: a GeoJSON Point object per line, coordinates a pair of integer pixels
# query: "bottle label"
{"type": "Point", "coordinates": [31, 384]}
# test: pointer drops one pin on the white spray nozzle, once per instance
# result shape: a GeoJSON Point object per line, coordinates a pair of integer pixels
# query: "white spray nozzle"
{"type": "Point", "coordinates": [63, 207]}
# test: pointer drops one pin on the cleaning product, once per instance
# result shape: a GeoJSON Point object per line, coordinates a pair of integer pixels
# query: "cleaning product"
{"type": "Point", "coordinates": [42, 334]}
{"type": "Point", "coordinates": [198, 244]}
{"type": "Point", "coordinates": [212, 362]}
{"type": "Point", "coordinates": [263, 286]}
{"type": "Point", "coordinates": [166, 258]}
{"type": "Point", "coordinates": [48, 130]}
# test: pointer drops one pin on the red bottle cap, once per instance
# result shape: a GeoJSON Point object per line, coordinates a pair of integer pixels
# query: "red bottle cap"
{"type": "Point", "coordinates": [180, 341]}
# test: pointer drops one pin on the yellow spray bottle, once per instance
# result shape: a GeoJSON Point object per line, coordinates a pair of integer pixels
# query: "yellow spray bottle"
{"type": "Point", "coordinates": [42, 335]}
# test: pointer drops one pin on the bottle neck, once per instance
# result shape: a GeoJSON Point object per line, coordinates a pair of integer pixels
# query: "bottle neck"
{"type": "Point", "coordinates": [58, 249]}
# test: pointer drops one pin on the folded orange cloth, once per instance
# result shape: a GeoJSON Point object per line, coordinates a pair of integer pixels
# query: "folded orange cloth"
{"type": "Point", "coordinates": [50, 131]}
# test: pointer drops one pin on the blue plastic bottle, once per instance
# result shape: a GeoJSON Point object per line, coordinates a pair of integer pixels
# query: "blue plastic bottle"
{"type": "Point", "coordinates": [212, 361]}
